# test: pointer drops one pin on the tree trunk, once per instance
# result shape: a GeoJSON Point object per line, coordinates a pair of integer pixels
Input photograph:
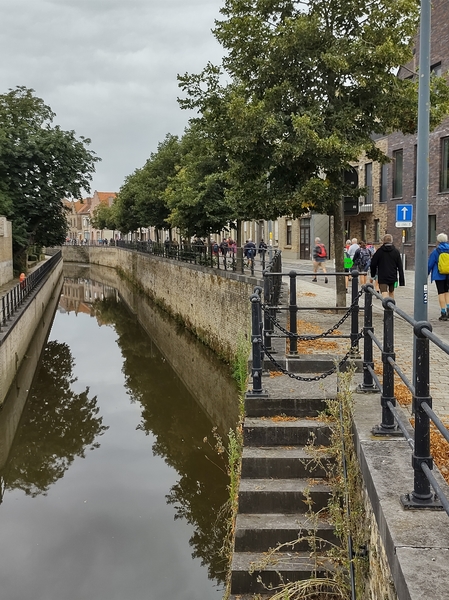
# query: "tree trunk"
{"type": "Point", "coordinates": [339, 244]}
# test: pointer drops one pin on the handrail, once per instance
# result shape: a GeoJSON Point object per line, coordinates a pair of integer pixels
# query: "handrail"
{"type": "Point", "coordinates": [422, 495]}
{"type": "Point", "coordinates": [17, 295]}
{"type": "Point", "coordinates": [426, 492]}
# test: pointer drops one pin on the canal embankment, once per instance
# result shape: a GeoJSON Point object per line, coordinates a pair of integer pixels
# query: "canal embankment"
{"type": "Point", "coordinates": [213, 306]}
{"type": "Point", "coordinates": [17, 333]}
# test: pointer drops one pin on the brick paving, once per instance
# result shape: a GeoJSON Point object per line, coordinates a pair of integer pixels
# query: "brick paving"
{"type": "Point", "coordinates": [321, 295]}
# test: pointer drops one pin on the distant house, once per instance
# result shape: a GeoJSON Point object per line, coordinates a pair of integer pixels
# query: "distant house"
{"type": "Point", "coordinates": [79, 218]}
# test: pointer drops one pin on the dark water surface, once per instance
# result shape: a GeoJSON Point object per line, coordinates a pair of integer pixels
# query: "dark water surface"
{"type": "Point", "coordinates": [109, 491]}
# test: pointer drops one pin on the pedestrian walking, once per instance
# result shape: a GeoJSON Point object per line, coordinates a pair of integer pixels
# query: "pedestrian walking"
{"type": "Point", "coordinates": [386, 264]}
{"type": "Point", "coordinates": [352, 248]}
{"type": "Point", "coordinates": [440, 274]}
{"type": "Point", "coordinates": [362, 261]}
{"type": "Point", "coordinates": [319, 256]}
{"type": "Point", "coordinates": [262, 250]}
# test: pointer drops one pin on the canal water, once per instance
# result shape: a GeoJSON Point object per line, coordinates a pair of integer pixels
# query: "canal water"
{"type": "Point", "coordinates": [113, 488]}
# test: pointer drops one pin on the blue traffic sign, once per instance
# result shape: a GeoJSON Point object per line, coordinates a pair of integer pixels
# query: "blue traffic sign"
{"type": "Point", "coordinates": [404, 212]}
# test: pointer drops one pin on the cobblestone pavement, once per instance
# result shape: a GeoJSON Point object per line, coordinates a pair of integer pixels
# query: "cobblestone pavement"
{"type": "Point", "coordinates": [320, 294]}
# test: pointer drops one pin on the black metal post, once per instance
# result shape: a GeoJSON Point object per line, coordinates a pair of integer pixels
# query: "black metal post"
{"type": "Point", "coordinates": [422, 495]}
{"type": "Point", "coordinates": [267, 294]}
{"type": "Point", "coordinates": [368, 384]}
{"type": "Point", "coordinates": [387, 426]}
{"type": "Point", "coordinates": [257, 349]}
{"type": "Point", "coordinates": [355, 352]}
{"type": "Point", "coordinates": [293, 314]}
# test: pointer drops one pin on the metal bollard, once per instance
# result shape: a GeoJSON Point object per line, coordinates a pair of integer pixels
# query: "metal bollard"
{"type": "Point", "coordinates": [422, 495]}
{"type": "Point", "coordinates": [293, 314]}
{"type": "Point", "coordinates": [387, 426]}
{"type": "Point", "coordinates": [368, 384]}
{"type": "Point", "coordinates": [257, 349]}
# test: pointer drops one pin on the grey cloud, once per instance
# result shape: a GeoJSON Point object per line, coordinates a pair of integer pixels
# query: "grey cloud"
{"type": "Point", "coordinates": [108, 68]}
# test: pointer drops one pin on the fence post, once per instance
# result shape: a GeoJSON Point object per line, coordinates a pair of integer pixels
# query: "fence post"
{"type": "Point", "coordinates": [387, 426]}
{"type": "Point", "coordinates": [268, 295]}
{"type": "Point", "coordinates": [355, 352]}
{"type": "Point", "coordinates": [293, 313]}
{"type": "Point", "coordinates": [368, 384]}
{"type": "Point", "coordinates": [256, 341]}
{"type": "Point", "coordinates": [422, 495]}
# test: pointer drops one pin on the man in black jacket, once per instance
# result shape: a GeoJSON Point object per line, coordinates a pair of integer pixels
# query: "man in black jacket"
{"type": "Point", "coordinates": [386, 264]}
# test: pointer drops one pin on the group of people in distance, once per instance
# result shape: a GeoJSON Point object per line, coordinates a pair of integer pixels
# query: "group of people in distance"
{"type": "Point", "coordinates": [384, 265]}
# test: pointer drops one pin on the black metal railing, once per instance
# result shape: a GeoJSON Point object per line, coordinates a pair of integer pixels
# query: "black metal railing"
{"type": "Point", "coordinates": [426, 491]}
{"type": "Point", "coordinates": [11, 302]}
{"type": "Point", "coordinates": [245, 260]}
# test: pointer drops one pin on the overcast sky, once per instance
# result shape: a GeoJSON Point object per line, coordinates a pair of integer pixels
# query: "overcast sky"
{"type": "Point", "coordinates": [108, 69]}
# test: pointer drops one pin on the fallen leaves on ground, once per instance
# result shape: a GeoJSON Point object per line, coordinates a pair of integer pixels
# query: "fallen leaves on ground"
{"type": "Point", "coordinates": [324, 344]}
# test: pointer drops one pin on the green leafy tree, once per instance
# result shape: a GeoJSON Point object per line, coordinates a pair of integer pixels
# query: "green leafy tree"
{"type": "Point", "coordinates": [196, 195]}
{"type": "Point", "coordinates": [311, 82]}
{"type": "Point", "coordinates": [40, 164]}
{"type": "Point", "coordinates": [103, 217]}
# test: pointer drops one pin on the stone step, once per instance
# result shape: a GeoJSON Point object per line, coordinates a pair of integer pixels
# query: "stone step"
{"type": "Point", "coordinates": [287, 496]}
{"type": "Point", "coordinates": [272, 432]}
{"type": "Point", "coordinates": [259, 533]}
{"type": "Point", "coordinates": [285, 566]}
{"type": "Point", "coordinates": [282, 462]}
{"type": "Point", "coordinates": [298, 407]}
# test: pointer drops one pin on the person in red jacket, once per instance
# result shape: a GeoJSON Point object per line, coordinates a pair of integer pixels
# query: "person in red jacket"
{"type": "Point", "coordinates": [386, 263]}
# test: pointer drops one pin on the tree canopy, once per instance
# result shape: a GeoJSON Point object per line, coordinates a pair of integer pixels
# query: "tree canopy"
{"type": "Point", "coordinates": [40, 165]}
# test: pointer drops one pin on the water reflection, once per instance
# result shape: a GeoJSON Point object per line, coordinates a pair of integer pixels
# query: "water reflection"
{"type": "Point", "coordinates": [57, 425]}
{"type": "Point", "coordinates": [105, 385]}
{"type": "Point", "coordinates": [178, 425]}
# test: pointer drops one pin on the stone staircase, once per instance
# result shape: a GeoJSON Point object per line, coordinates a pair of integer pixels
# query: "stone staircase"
{"type": "Point", "coordinates": [280, 478]}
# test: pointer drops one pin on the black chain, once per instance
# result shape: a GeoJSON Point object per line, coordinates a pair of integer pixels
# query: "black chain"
{"type": "Point", "coordinates": [317, 377]}
{"type": "Point", "coordinates": [309, 338]}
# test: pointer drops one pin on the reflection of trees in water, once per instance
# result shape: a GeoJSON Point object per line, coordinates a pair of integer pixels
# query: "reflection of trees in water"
{"type": "Point", "coordinates": [56, 426]}
{"type": "Point", "coordinates": [179, 425]}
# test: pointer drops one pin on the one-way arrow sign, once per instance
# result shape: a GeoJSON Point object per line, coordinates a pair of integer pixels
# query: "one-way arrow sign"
{"type": "Point", "coordinates": [404, 215]}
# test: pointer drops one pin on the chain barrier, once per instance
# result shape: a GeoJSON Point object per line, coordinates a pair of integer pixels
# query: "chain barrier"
{"type": "Point", "coordinates": [317, 377]}
{"type": "Point", "coordinates": [308, 338]}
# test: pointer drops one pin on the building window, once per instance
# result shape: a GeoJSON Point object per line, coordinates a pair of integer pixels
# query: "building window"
{"type": "Point", "coordinates": [397, 173]}
{"type": "Point", "coordinates": [348, 230]}
{"type": "Point", "coordinates": [376, 230]}
{"type": "Point", "coordinates": [383, 183]}
{"type": "Point", "coordinates": [363, 226]}
{"type": "Point", "coordinates": [369, 183]}
{"type": "Point", "coordinates": [432, 229]}
{"type": "Point", "coordinates": [436, 69]}
{"type": "Point", "coordinates": [444, 184]}
{"type": "Point", "coordinates": [289, 233]}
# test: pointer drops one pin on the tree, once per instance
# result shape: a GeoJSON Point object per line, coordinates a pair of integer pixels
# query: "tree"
{"type": "Point", "coordinates": [103, 217]}
{"type": "Point", "coordinates": [141, 200]}
{"type": "Point", "coordinates": [312, 81]}
{"type": "Point", "coordinates": [196, 195]}
{"type": "Point", "coordinates": [40, 164]}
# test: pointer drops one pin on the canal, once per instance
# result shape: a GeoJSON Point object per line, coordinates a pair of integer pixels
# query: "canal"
{"type": "Point", "coordinates": [113, 488]}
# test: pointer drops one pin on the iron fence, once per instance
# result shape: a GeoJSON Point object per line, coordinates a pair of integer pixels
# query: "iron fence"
{"type": "Point", "coordinates": [426, 492]}
{"type": "Point", "coordinates": [16, 296]}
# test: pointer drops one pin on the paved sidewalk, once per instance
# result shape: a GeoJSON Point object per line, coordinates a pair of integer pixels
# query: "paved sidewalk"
{"type": "Point", "coordinates": [320, 294]}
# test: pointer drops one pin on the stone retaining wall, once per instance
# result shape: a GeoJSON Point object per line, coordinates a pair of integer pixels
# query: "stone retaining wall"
{"type": "Point", "coordinates": [6, 268]}
{"type": "Point", "coordinates": [16, 336]}
{"type": "Point", "coordinates": [213, 305]}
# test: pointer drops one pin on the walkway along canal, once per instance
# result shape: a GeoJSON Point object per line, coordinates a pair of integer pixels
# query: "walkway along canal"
{"type": "Point", "coordinates": [109, 490]}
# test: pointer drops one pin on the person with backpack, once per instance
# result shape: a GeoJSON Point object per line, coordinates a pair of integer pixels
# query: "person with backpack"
{"type": "Point", "coordinates": [386, 264]}
{"type": "Point", "coordinates": [438, 267]}
{"type": "Point", "coordinates": [362, 261]}
{"type": "Point", "coordinates": [319, 256]}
